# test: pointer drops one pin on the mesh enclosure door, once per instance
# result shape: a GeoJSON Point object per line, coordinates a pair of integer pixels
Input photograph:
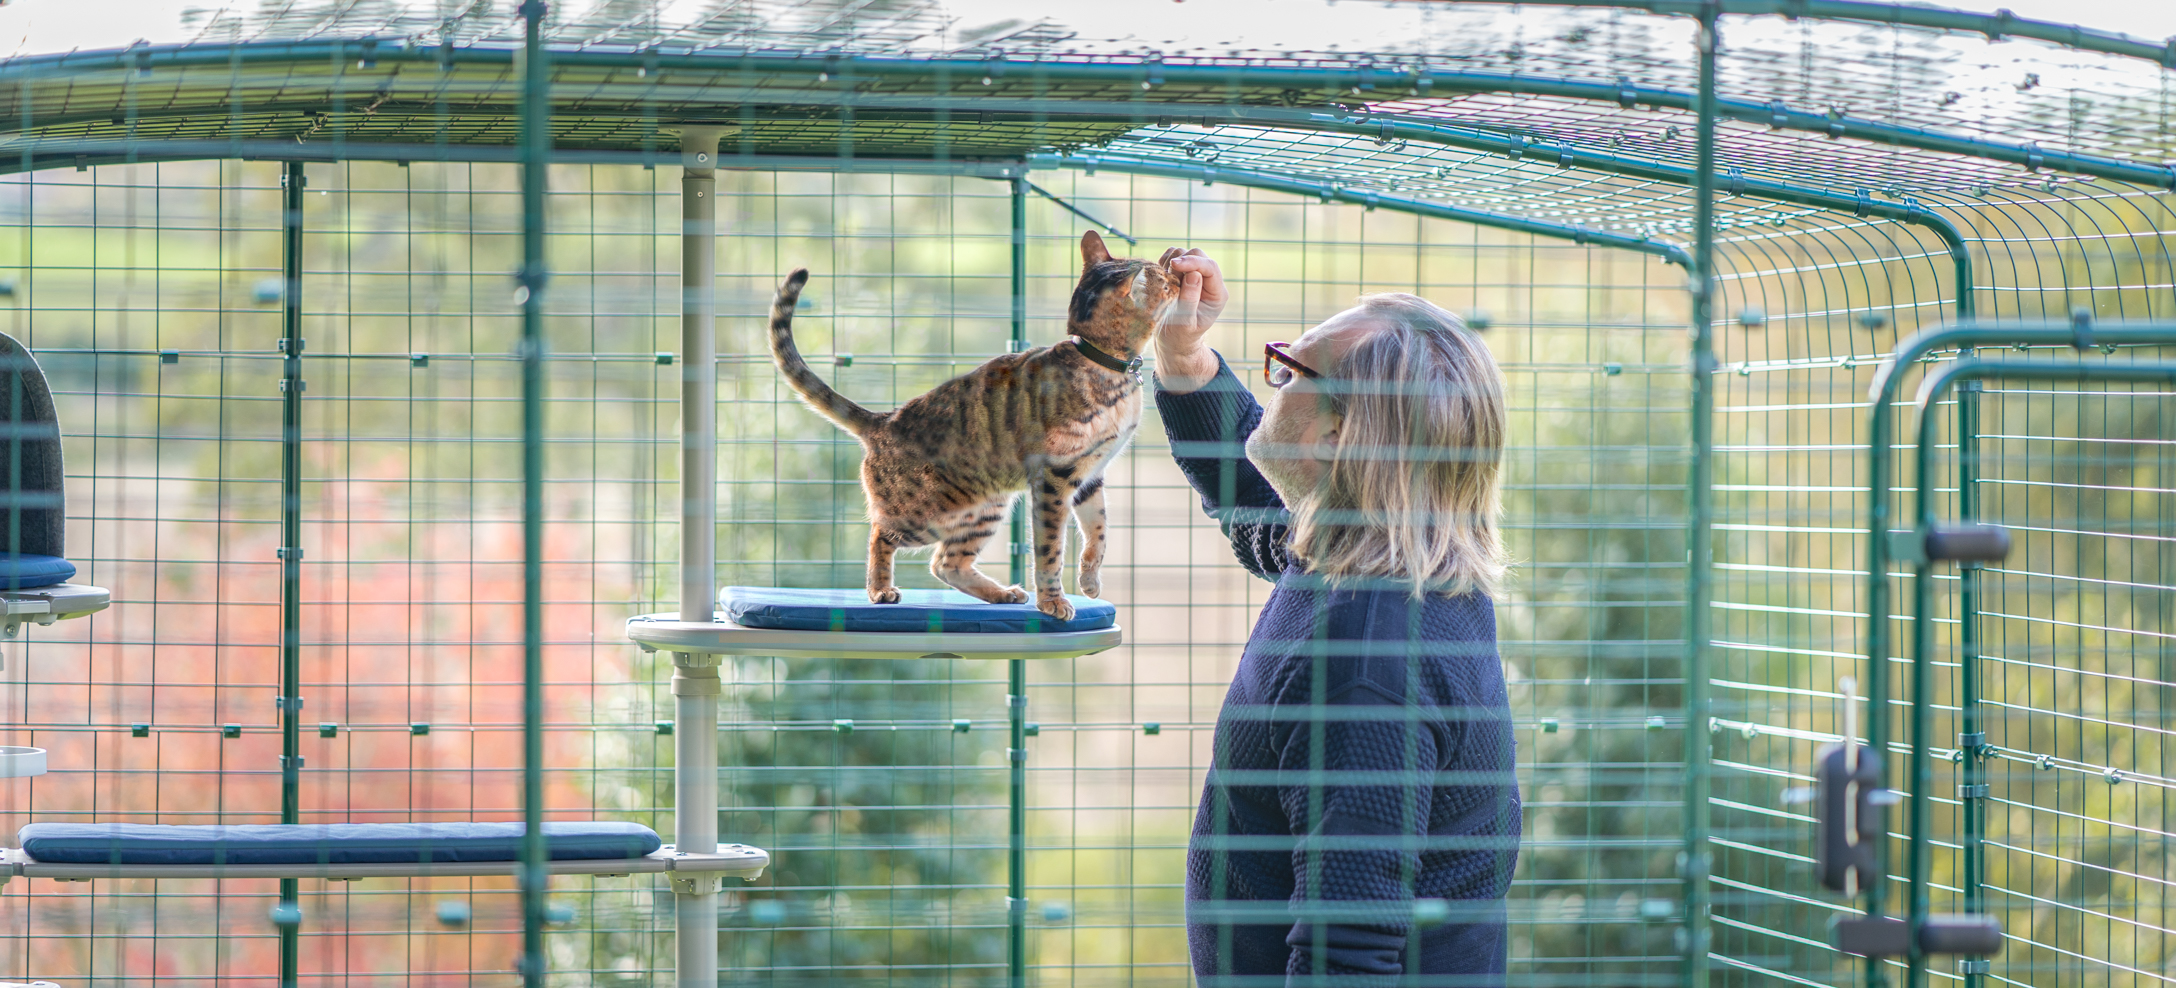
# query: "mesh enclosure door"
{"type": "Point", "coordinates": [2074, 662]}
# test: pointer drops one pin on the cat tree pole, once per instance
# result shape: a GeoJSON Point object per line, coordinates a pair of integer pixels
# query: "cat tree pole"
{"type": "Point", "coordinates": [695, 674]}
{"type": "Point", "coordinates": [1016, 695]}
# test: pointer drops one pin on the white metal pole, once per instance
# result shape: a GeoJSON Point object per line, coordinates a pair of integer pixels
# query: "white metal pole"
{"type": "Point", "coordinates": [694, 676]}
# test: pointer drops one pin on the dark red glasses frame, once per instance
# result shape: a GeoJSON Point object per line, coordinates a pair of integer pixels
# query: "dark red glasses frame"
{"type": "Point", "coordinates": [1273, 354]}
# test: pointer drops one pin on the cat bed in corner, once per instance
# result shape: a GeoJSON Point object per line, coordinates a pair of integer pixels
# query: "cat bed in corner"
{"type": "Point", "coordinates": [925, 611]}
{"type": "Point", "coordinates": [34, 577]}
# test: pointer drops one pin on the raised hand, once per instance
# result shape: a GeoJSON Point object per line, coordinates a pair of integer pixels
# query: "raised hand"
{"type": "Point", "coordinates": [1183, 359]}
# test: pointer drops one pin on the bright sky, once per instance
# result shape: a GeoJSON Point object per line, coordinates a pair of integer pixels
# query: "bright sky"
{"type": "Point", "coordinates": [32, 26]}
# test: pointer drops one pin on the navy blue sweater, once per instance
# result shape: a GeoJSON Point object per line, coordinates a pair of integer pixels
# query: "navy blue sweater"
{"type": "Point", "coordinates": [1364, 758]}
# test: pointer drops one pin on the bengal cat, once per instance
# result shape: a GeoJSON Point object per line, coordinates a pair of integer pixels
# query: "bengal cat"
{"type": "Point", "coordinates": [944, 467]}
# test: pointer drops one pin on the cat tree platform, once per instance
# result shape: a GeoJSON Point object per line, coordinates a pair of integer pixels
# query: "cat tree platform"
{"type": "Point", "coordinates": [842, 624]}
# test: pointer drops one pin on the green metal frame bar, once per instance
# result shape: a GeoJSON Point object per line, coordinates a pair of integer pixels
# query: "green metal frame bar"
{"type": "Point", "coordinates": [1967, 371]}
{"type": "Point", "coordinates": [1696, 863]}
{"type": "Point", "coordinates": [1330, 192]}
{"type": "Point", "coordinates": [1016, 693]}
{"type": "Point", "coordinates": [290, 553]}
{"type": "Point", "coordinates": [1054, 198]}
{"type": "Point", "coordinates": [1968, 661]}
{"type": "Point", "coordinates": [535, 161]}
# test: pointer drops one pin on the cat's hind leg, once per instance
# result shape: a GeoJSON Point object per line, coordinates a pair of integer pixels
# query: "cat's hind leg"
{"type": "Point", "coordinates": [960, 538]}
{"type": "Point", "coordinates": [882, 546]}
{"type": "Point", "coordinates": [1088, 511]}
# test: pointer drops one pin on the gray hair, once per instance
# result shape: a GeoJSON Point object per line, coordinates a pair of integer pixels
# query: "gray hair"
{"type": "Point", "coordinates": [1412, 493]}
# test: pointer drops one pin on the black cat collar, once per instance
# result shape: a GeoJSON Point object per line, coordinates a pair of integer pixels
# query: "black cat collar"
{"type": "Point", "coordinates": [1097, 355]}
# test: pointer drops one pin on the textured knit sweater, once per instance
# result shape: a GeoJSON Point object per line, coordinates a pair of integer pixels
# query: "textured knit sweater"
{"type": "Point", "coordinates": [1364, 758]}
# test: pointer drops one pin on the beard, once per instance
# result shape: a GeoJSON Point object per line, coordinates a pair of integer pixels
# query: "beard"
{"type": "Point", "coordinates": [1274, 448]}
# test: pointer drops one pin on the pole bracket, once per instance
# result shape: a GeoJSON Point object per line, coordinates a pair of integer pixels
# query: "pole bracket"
{"type": "Point", "coordinates": [696, 884]}
{"type": "Point", "coordinates": [684, 684]}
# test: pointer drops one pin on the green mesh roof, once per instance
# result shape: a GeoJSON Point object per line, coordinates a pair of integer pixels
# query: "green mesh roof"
{"type": "Point", "coordinates": [1577, 114]}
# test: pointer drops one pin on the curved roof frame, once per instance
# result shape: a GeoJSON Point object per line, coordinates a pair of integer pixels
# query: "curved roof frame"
{"type": "Point", "coordinates": [1147, 74]}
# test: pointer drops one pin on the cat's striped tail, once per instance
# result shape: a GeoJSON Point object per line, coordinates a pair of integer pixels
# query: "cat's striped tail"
{"type": "Point", "coordinates": [813, 390]}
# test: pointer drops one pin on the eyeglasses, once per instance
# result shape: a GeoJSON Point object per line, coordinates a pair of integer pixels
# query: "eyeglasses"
{"type": "Point", "coordinates": [1279, 368]}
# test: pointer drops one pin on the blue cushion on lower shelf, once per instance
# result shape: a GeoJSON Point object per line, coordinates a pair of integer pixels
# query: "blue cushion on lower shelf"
{"type": "Point", "coordinates": [918, 612]}
{"type": "Point", "coordinates": [24, 571]}
{"type": "Point", "coordinates": [325, 843]}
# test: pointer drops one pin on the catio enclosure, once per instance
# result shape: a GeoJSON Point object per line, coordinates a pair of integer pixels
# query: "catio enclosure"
{"type": "Point", "coordinates": [407, 358]}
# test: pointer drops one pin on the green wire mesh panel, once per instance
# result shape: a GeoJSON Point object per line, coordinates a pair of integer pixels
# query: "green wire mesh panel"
{"type": "Point", "coordinates": [2073, 657]}
{"type": "Point", "coordinates": [2068, 470]}
{"type": "Point", "coordinates": [152, 294]}
{"type": "Point", "coordinates": [880, 784]}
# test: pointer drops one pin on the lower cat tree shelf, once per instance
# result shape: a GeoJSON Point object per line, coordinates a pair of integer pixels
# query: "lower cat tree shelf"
{"type": "Point", "coordinates": [352, 852]}
{"type": "Point", "coordinates": [842, 624]}
{"type": "Point", "coordinates": [666, 633]}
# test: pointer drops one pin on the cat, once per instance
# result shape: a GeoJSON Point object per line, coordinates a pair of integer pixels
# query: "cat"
{"type": "Point", "coordinates": [943, 467]}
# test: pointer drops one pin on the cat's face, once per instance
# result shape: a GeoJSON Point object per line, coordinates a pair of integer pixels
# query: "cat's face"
{"type": "Point", "coordinates": [1121, 298]}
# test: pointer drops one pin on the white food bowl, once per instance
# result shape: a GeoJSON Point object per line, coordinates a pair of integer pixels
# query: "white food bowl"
{"type": "Point", "coordinates": [17, 762]}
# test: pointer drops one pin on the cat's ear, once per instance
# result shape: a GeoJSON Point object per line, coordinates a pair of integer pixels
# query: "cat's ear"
{"type": "Point", "coordinates": [1092, 251]}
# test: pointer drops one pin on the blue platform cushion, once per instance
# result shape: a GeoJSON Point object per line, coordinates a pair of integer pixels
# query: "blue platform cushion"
{"type": "Point", "coordinates": [23, 571]}
{"type": "Point", "coordinates": [325, 843]}
{"type": "Point", "coordinates": [918, 612]}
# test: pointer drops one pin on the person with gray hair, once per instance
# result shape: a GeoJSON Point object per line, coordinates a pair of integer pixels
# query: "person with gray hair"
{"type": "Point", "coordinates": [1363, 771]}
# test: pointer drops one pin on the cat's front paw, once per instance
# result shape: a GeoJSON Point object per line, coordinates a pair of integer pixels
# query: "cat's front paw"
{"type": "Point", "coordinates": [1091, 585]}
{"type": "Point", "coordinates": [1056, 606]}
{"type": "Point", "coordinates": [888, 595]}
{"type": "Point", "coordinates": [1013, 595]}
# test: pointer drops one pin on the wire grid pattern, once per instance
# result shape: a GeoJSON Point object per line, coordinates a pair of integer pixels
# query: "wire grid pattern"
{"type": "Point", "coordinates": [881, 806]}
{"type": "Point", "coordinates": [2069, 625]}
{"type": "Point", "coordinates": [875, 81]}
{"type": "Point", "coordinates": [145, 291]}
{"type": "Point", "coordinates": [858, 775]}
{"type": "Point", "coordinates": [2076, 657]}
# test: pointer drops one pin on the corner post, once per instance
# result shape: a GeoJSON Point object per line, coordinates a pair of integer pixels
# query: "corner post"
{"type": "Point", "coordinates": [288, 914]}
{"type": "Point", "coordinates": [1016, 697]}
{"type": "Point", "coordinates": [1694, 861]}
{"type": "Point", "coordinates": [695, 685]}
{"type": "Point", "coordinates": [536, 144]}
